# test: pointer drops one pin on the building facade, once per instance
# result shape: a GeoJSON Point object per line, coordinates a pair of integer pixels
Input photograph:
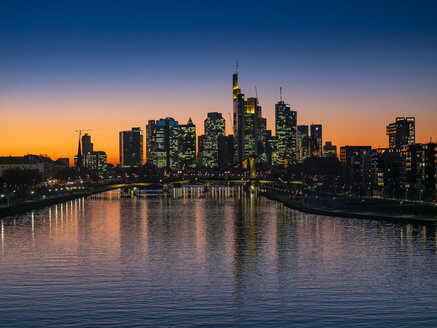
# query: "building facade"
{"type": "Point", "coordinates": [286, 133]}
{"type": "Point", "coordinates": [215, 127]}
{"type": "Point", "coordinates": [316, 135]}
{"type": "Point", "coordinates": [131, 148]}
{"type": "Point", "coordinates": [302, 143]}
{"type": "Point", "coordinates": [402, 132]}
{"type": "Point", "coordinates": [187, 145]}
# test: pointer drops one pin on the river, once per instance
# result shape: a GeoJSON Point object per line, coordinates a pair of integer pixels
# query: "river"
{"type": "Point", "coordinates": [225, 258]}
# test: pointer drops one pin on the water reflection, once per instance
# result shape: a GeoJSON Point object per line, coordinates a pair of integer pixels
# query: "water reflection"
{"type": "Point", "coordinates": [209, 256]}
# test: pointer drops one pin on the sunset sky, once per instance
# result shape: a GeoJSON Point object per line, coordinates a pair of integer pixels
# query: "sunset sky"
{"type": "Point", "coordinates": [352, 66]}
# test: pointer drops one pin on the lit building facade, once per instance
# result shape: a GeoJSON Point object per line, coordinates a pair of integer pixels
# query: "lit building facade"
{"type": "Point", "coordinates": [302, 142]}
{"type": "Point", "coordinates": [249, 125]}
{"type": "Point", "coordinates": [96, 161]}
{"type": "Point", "coordinates": [402, 132]}
{"type": "Point", "coordinates": [215, 128]}
{"type": "Point", "coordinates": [316, 135]}
{"type": "Point", "coordinates": [286, 133]}
{"type": "Point", "coordinates": [164, 143]}
{"type": "Point", "coordinates": [187, 145]}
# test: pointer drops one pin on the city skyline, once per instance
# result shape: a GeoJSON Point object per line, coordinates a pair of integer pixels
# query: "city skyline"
{"type": "Point", "coordinates": [352, 73]}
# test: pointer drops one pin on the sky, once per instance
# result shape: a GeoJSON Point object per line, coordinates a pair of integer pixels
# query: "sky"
{"type": "Point", "coordinates": [352, 66]}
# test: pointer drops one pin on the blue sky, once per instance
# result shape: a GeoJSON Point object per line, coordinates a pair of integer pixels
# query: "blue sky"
{"type": "Point", "coordinates": [335, 59]}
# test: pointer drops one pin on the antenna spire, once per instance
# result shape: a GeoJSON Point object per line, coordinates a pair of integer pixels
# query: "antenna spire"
{"type": "Point", "coordinates": [280, 93]}
{"type": "Point", "coordinates": [237, 65]}
{"type": "Point", "coordinates": [256, 92]}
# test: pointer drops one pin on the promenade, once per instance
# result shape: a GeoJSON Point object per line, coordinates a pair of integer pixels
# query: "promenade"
{"type": "Point", "coordinates": [360, 208]}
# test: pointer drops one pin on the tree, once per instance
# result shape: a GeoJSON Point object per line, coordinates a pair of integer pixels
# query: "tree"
{"type": "Point", "coordinates": [21, 177]}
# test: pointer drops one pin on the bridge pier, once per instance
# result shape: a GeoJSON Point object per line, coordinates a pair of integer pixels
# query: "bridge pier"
{"type": "Point", "coordinates": [252, 187]}
{"type": "Point", "coordinates": [165, 187]}
{"type": "Point", "coordinates": [206, 187]}
{"type": "Point", "coordinates": [252, 168]}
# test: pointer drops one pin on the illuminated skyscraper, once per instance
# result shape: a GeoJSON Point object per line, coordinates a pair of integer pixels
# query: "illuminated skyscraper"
{"type": "Point", "coordinates": [249, 125]}
{"type": "Point", "coordinates": [286, 133]}
{"type": "Point", "coordinates": [251, 130]}
{"type": "Point", "coordinates": [164, 143]}
{"type": "Point", "coordinates": [302, 142]}
{"type": "Point", "coordinates": [187, 145]}
{"type": "Point", "coordinates": [316, 136]}
{"type": "Point", "coordinates": [96, 161]}
{"type": "Point", "coordinates": [239, 104]}
{"type": "Point", "coordinates": [131, 148]}
{"type": "Point", "coordinates": [214, 128]}
{"type": "Point", "coordinates": [402, 132]}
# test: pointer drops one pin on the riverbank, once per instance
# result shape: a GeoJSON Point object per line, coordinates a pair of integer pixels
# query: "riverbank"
{"type": "Point", "coordinates": [35, 204]}
{"type": "Point", "coordinates": [382, 211]}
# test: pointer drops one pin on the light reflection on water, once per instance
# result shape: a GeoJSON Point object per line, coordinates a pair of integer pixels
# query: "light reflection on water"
{"type": "Point", "coordinates": [226, 258]}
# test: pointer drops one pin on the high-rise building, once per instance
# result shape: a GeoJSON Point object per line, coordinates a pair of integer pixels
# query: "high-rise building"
{"type": "Point", "coordinates": [131, 148]}
{"type": "Point", "coordinates": [419, 170]}
{"type": "Point", "coordinates": [96, 161]}
{"type": "Point", "coordinates": [402, 132]}
{"type": "Point", "coordinates": [164, 143]}
{"type": "Point", "coordinates": [355, 160]}
{"type": "Point", "coordinates": [201, 147]}
{"type": "Point", "coordinates": [329, 150]}
{"type": "Point", "coordinates": [249, 125]}
{"type": "Point", "coordinates": [302, 142]}
{"type": "Point", "coordinates": [150, 135]}
{"type": "Point", "coordinates": [214, 128]}
{"type": "Point", "coordinates": [239, 104]}
{"type": "Point", "coordinates": [87, 145]}
{"type": "Point", "coordinates": [225, 151]}
{"type": "Point", "coordinates": [187, 145]}
{"type": "Point", "coordinates": [316, 135]}
{"type": "Point", "coordinates": [286, 132]}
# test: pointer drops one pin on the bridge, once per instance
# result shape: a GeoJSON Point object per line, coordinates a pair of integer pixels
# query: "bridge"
{"type": "Point", "coordinates": [251, 181]}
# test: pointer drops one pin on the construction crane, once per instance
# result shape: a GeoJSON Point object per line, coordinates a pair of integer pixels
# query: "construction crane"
{"type": "Point", "coordinates": [83, 130]}
{"type": "Point", "coordinates": [79, 151]}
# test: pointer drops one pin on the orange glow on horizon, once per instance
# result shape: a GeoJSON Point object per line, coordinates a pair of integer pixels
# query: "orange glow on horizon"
{"type": "Point", "coordinates": [40, 126]}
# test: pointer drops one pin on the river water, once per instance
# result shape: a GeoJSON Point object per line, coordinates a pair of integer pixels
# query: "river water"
{"type": "Point", "coordinates": [224, 258]}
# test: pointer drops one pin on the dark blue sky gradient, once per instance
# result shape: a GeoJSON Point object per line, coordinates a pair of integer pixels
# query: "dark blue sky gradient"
{"type": "Point", "coordinates": [343, 54]}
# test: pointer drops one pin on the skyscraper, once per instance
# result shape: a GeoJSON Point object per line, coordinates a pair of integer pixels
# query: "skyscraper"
{"type": "Point", "coordinates": [286, 132]}
{"type": "Point", "coordinates": [214, 128]}
{"type": "Point", "coordinates": [316, 136]}
{"type": "Point", "coordinates": [302, 142]}
{"type": "Point", "coordinates": [131, 148]}
{"type": "Point", "coordinates": [239, 107]}
{"type": "Point", "coordinates": [201, 147]}
{"type": "Point", "coordinates": [249, 125]}
{"type": "Point", "coordinates": [187, 145]}
{"type": "Point", "coordinates": [225, 151]}
{"type": "Point", "coordinates": [164, 143]}
{"type": "Point", "coordinates": [87, 145]}
{"type": "Point", "coordinates": [251, 115]}
{"type": "Point", "coordinates": [402, 132]}
{"type": "Point", "coordinates": [150, 135]}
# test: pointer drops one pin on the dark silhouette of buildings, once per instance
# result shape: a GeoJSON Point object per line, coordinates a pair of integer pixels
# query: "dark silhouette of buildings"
{"type": "Point", "coordinates": [131, 148]}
